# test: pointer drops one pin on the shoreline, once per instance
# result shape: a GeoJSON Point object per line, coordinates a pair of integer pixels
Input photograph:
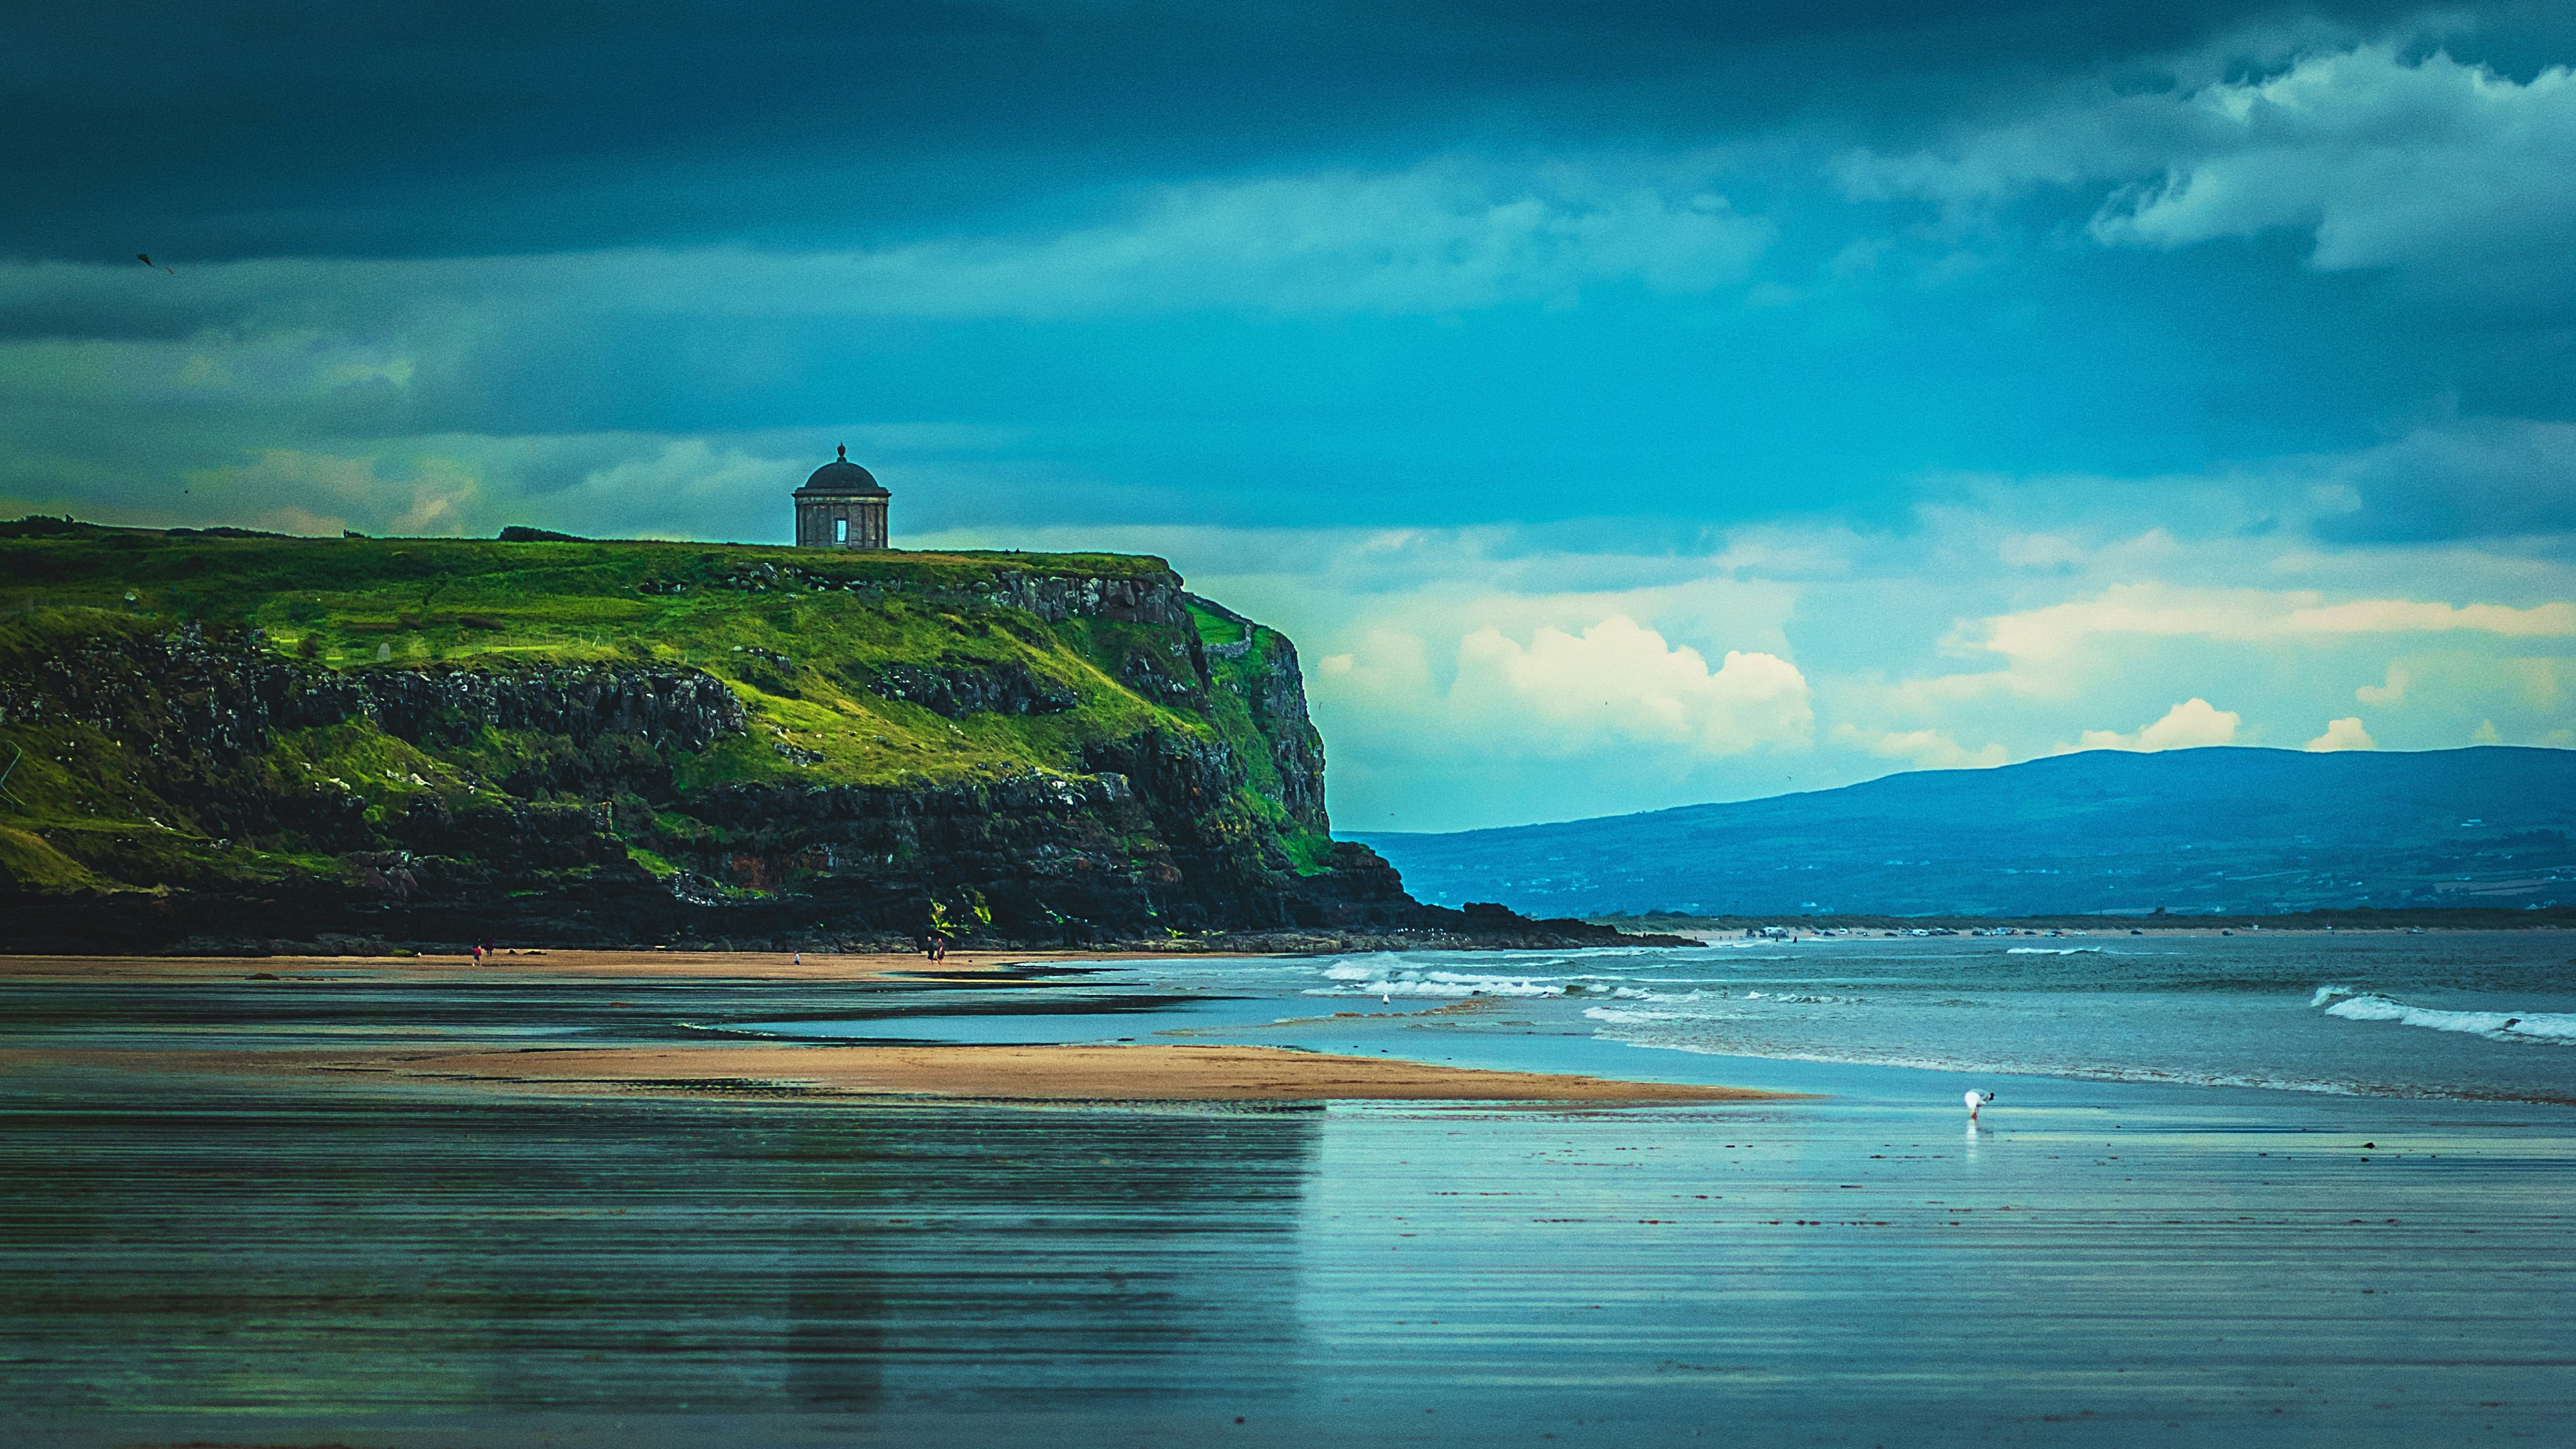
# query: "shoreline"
{"type": "Point", "coordinates": [1054, 1073]}
{"type": "Point", "coordinates": [600, 965]}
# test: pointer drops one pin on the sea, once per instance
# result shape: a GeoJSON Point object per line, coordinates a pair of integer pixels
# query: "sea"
{"type": "Point", "coordinates": [2486, 1015]}
{"type": "Point", "coordinates": [2292, 1189]}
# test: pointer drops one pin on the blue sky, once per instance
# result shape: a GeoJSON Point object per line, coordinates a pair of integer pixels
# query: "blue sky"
{"type": "Point", "coordinates": [1623, 406]}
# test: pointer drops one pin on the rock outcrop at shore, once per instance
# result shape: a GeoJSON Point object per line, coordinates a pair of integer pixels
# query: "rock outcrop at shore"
{"type": "Point", "coordinates": [1002, 747]}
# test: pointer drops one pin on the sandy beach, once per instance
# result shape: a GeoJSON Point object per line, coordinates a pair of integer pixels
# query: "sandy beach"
{"type": "Point", "coordinates": [1052, 1073]}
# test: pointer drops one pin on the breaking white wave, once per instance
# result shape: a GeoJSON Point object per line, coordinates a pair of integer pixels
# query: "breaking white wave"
{"type": "Point", "coordinates": [1357, 971]}
{"type": "Point", "coordinates": [1443, 984]}
{"type": "Point", "coordinates": [1710, 1005]}
{"type": "Point", "coordinates": [2052, 950]}
{"type": "Point", "coordinates": [1629, 1016]}
{"type": "Point", "coordinates": [2356, 1005]}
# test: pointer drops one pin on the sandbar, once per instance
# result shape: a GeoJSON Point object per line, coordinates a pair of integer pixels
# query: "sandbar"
{"type": "Point", "coordinates": [1099, 1073]}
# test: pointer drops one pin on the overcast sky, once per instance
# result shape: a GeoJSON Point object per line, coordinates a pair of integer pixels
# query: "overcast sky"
{"type": "Point", "coordinates": [1623, 406]}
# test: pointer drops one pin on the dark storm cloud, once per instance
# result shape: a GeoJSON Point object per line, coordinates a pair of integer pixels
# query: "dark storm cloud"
{"type": "Point", "coordinates": [221, 130]}
{"type": "Point", "coordinates": [2478, 479]}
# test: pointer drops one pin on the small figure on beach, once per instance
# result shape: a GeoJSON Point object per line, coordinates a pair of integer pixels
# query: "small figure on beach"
{"type": "Point", "coordinates": [1976, 1100]}
{"type": "Point", "coordinates": [798, 959]}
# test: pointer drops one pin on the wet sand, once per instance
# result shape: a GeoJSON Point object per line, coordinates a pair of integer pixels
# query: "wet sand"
{"type": "Point", "coordinates": [539, 965]}
{"type": "Point", "coordinates": [1049, 1073]}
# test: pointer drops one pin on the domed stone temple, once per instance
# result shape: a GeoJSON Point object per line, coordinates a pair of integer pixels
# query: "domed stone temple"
{"type": "Point", "coordinates": [841, 506]}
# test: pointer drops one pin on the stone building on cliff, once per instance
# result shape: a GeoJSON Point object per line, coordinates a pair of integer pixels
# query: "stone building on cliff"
{"type": "Point", "coordinates": [841, 506]}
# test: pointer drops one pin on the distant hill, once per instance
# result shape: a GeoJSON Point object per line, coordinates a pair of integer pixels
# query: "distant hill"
{"type": "Point", "coordinates": [2234, 830]}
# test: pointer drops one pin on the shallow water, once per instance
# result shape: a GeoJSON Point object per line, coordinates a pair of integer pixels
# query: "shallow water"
{"type": "Point", "coordinates": [2478, 1016]}
{"type": "Point", "coordinates": [237, 1260]}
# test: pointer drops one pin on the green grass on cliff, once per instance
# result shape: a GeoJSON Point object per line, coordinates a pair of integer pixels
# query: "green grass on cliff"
{"type": "Point", "coordinates": [799, 657]}
{"type": "Point", "coordinates": [355, 604]}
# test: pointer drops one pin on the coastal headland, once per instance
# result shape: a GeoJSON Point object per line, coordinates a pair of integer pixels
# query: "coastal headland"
{"type": "Point", "coordinates": [228, 742]}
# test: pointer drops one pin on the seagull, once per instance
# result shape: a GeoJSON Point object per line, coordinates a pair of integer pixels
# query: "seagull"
{"type": "Point", "coordinates": [1977, 1099]}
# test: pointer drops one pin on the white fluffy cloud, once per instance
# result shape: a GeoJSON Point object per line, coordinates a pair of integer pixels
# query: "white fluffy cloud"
{"type": "Point", "coordinates": [1620, 681]}
{"type": "Point", "coordinates": [2190, 725]}
{"type": "Point", "coordinates": [1612, 685]}
{"type": "Point", "coordinates": [2390, 690]}
{"type": "Point", "coordinates": [1923, 749]}
{"type": "Point", "coordinates": [2342, 734]}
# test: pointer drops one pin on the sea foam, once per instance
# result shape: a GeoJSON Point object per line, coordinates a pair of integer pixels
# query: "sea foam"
{"type": "Point", "coordinates": [1446, 984]}
{"type": "Point", "coordinates": [2357, 1005]}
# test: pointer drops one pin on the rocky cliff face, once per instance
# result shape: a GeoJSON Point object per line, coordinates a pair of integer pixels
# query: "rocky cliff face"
{"type": "Point", "coordinates": [1027, 755]}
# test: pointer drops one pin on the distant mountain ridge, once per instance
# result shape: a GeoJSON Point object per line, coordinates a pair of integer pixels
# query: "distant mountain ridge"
{"type": "Point", "coordinates": [2105, 831]}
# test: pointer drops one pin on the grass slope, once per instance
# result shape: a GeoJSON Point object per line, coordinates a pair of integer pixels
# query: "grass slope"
{"type": "Point", "coordinates": [802, 637]}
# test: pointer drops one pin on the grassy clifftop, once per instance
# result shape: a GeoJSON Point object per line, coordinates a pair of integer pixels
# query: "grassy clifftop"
{"type": "Point", "coordinates": [222, 712]}
{"type": "Point", "coordinates": [799, 635]}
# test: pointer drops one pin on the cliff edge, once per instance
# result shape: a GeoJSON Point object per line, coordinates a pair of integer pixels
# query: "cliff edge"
{"type": "Point", "coordinates": [232, 741]}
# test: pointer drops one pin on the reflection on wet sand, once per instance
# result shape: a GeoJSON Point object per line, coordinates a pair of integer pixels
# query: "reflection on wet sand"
{"type": "Point", "coordinates": [258, 1254]}
{"type": "Point", "coordinates": [205, 1238]}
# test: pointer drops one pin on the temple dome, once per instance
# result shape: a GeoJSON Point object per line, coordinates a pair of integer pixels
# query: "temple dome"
{"type": "Point", "coordinates": [842, 478]}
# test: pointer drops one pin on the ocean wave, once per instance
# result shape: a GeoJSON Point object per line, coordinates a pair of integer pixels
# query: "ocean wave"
{"type": "Point", "coordinates": [1366, 968]}
{"type": "Point", "coordinates": [2352, 1004]}
{"type": "Point", "coordinates": [1628, 1015]}
{"type": "Point", "coordinates": [1434, 984]}
{"type": "Point", "coordinates": [2052, 950]}
{"type": "Point", "coordinates": [1715, 999]}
